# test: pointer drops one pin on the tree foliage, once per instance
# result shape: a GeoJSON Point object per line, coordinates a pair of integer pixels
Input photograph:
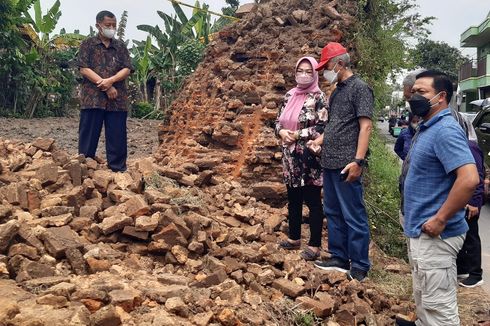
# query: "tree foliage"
{"type": "Point", "coordinates": [35, 73]}
{"type": "Point", "coordinates": [121, 28]}
{"type": "Point", "coordinates": [178, 47]}
{"type": "Point", "coordinates": [438, 55]}
{"type": "Point", "coordinates": [386, 28]}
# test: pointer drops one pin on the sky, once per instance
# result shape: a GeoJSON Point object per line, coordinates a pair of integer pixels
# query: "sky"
{"type": "Point", "coordinates": [453, 17]}
{"type": "Point", "coordinates": [80, 14]}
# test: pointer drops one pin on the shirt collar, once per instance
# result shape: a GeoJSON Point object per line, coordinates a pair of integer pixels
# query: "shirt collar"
{"type": "Point", "coordinates": [98, 40]}
{"type": "Point", "coordinates": [436, 118]}
{"type": "Point", "coordinates": [347, 81]}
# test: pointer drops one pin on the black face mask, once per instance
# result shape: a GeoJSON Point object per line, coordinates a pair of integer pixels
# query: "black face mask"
{"type": "Point", "coordinates": [419, 105]}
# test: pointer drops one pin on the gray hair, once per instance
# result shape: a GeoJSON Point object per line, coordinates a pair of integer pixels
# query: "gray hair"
{"type": "Point", "coordinates": [409, 80]}
{"type": "Point", "coordinates": [345, 58]}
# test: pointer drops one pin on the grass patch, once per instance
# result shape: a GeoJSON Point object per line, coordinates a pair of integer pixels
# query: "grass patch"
{"type": "Point", "coordinates": [159, 182]}
{"type": "Point", "coordinates": [383, 198]}
{"type": "Point", "coordinates": [286, 312]}
{"type": "Point", "coordinates": [391, 284]}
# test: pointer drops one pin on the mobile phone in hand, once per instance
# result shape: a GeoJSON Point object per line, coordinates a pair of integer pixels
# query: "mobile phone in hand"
{"type": "Point", "coordinates": [343, 176]}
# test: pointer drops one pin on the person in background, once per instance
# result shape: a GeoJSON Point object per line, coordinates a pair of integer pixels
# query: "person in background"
{"type": "Point", "coordinates": [392, 123]}
{"type": "Point", "coordinates": [105, 65]}
{"type": "Point", "coordinates": [469, 257]}
{"type": "Point", "coordinates": [302, 118]}
{"type": "Point", "coordinates": [404, 139]}
{"type": "Point", "coordinates": [344, 150]}
{"type": "Point", "coordinates": [409, 81]}
{"type": "Point", "coordinates": [402, 144]}
{"type": "Point", "coordinates": [439, 176]}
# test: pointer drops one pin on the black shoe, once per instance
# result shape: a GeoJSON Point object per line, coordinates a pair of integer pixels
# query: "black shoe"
{"type": "Point", "coordinates": [403, 322]}
{"type": "Point", "coordinates": [333, 264]}
{"type": "Point", "coordinates": [463, 276]}
{"type": "Point", "coordinates": [357, 274]}
{"type": "Point", "coordinates": [471, 282]}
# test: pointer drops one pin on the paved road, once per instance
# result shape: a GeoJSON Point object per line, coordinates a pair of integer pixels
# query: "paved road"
{"type": "Point", "coordinates": [484, 222]}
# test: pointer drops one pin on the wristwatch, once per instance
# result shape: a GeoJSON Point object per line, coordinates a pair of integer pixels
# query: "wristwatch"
{"type": "Point", "coordinates": [361, 162]}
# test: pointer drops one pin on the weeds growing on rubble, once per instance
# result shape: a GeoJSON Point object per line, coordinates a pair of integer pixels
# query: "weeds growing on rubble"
{"type": "Point", "coordinates": [286, 312]}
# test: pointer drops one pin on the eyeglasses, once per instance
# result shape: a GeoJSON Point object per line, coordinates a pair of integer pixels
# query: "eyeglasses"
{"type": "Point", "coordinates": [308, 72]}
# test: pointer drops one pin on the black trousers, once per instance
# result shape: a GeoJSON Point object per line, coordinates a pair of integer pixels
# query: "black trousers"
{"type": "Point", "coordinates": [116, 144]}
{"type": "Point", "coordinates": [469, 257]}
{"type": "Point", "coordinates": [311, 195]}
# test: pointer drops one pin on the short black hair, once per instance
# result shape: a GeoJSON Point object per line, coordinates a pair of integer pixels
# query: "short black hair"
{"type": "Point", "coordinates": [101, 15]}
{"type": "Point", "coordinates": [441, 83]}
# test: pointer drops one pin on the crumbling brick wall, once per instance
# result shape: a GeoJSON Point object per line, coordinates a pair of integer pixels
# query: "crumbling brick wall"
{"type": "Point", "coordinates": [224, 117]}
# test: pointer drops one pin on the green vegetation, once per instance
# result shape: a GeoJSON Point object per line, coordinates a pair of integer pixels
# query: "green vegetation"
{"type": "Point", "coordinates": [307, 318]}
{"type": "Point", "coordinates": [35, 72]}
{"type": "Point", "coordinates": [438, 55]}
{"type": "Point", "coordinates": [287, 312]}
{"type": "Point", "coordinates": [384, 30]}
{"type": "Point", "coordinates": [145, 110]}
{"type": "Point", "coordinates": [397, 285]}
{"type": "Point", "coordinates": [383, 198]}
{"type": "Point", "coordinates": [179, 46]}
{"type": "Point", "coordinates": [38, 72]}
{"type": "Point", "coordinates": [382, 42]}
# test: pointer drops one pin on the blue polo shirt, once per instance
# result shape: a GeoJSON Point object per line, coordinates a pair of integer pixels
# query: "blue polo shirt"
{"type": "Point", "coordinates": [440, 148]}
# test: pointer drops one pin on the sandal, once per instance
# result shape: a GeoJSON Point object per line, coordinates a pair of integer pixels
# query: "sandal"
{"type": "Point", "coordinates": [285, 244]}
{"type": "Point", "coordinates": [309, 254]}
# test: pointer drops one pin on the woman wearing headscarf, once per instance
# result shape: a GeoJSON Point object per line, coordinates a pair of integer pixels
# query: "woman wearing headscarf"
{"type": "Point", "coordinates": [302, 118]}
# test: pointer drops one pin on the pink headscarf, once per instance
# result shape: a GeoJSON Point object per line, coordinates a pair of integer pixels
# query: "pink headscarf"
{"type": "Point", "coordinates": [290, 114]}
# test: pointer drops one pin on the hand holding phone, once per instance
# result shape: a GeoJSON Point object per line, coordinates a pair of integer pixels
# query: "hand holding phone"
{"type": "Point", "coordinates": [343, 176]}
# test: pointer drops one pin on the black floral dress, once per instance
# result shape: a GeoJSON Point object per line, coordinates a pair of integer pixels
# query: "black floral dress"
{"type": "Point", "coordinates": [300, 166]}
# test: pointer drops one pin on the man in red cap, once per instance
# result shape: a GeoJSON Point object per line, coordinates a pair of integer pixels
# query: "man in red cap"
{"type": "Point", "coordinates": [345, 145]}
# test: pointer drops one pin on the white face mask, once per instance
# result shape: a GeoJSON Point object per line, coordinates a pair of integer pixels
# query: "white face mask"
{"type": "Point", "coordinates": [330, 75]}
{"type": "Point", "coordinates": [414, 125]}
{"type": "Point", "coordinates": [108, 32]}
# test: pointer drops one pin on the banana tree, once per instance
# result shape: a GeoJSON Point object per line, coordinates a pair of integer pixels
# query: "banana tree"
{"type": "Point", "coordinates": [45, 50]}
{"type": "Point", "coordinates": [41, 26]}
{"type": "Point", "coordinates": [142, 63]}
{"type": "Point", "coordinates": [179, 44]}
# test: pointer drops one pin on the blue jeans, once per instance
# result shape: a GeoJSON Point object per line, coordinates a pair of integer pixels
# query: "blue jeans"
{"type": "Point", "coordinates": [348, 228]}
{"type": "Point", "coordinates": [91, 121]}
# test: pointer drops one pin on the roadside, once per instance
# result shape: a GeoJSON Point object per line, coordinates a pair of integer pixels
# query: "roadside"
{"type": "Point", "coordinates": [484, 225]}
{"type": "Point", "coordinates": [476, 301]}
{"type": "Point", "coordinates": [484, 222]}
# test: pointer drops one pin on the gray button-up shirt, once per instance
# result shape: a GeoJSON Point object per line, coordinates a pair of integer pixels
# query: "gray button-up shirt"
{"type": "Point", "coordinates": [352, 99]}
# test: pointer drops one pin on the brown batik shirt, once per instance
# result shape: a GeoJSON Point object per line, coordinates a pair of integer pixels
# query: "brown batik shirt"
{"type": "Point", "coordinates": [106, 62]}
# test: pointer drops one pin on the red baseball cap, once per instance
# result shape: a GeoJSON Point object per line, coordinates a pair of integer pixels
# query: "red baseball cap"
{"type": "Point", "coordinates": [330, 51]}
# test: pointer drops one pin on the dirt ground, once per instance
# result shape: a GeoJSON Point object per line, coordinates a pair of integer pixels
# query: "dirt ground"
{"type": "Point", "coordinates": [142, 134]}
{"type": "Point", "coordinates": [474, 304]}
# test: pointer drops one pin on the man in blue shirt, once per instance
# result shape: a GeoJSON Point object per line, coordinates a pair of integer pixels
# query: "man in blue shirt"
{"type": "Point", "coordinates": [440, 177]}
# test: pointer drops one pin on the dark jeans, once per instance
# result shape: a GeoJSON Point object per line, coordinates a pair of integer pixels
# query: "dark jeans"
{"type": "Point", "coordinates": [91, 121]}
{"type": "Point", "coordinates": [348, 228]}
{"type": "Point", "coordinates": [469, 257]}
{"type": "Point", "coordinates": [311, 195]}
